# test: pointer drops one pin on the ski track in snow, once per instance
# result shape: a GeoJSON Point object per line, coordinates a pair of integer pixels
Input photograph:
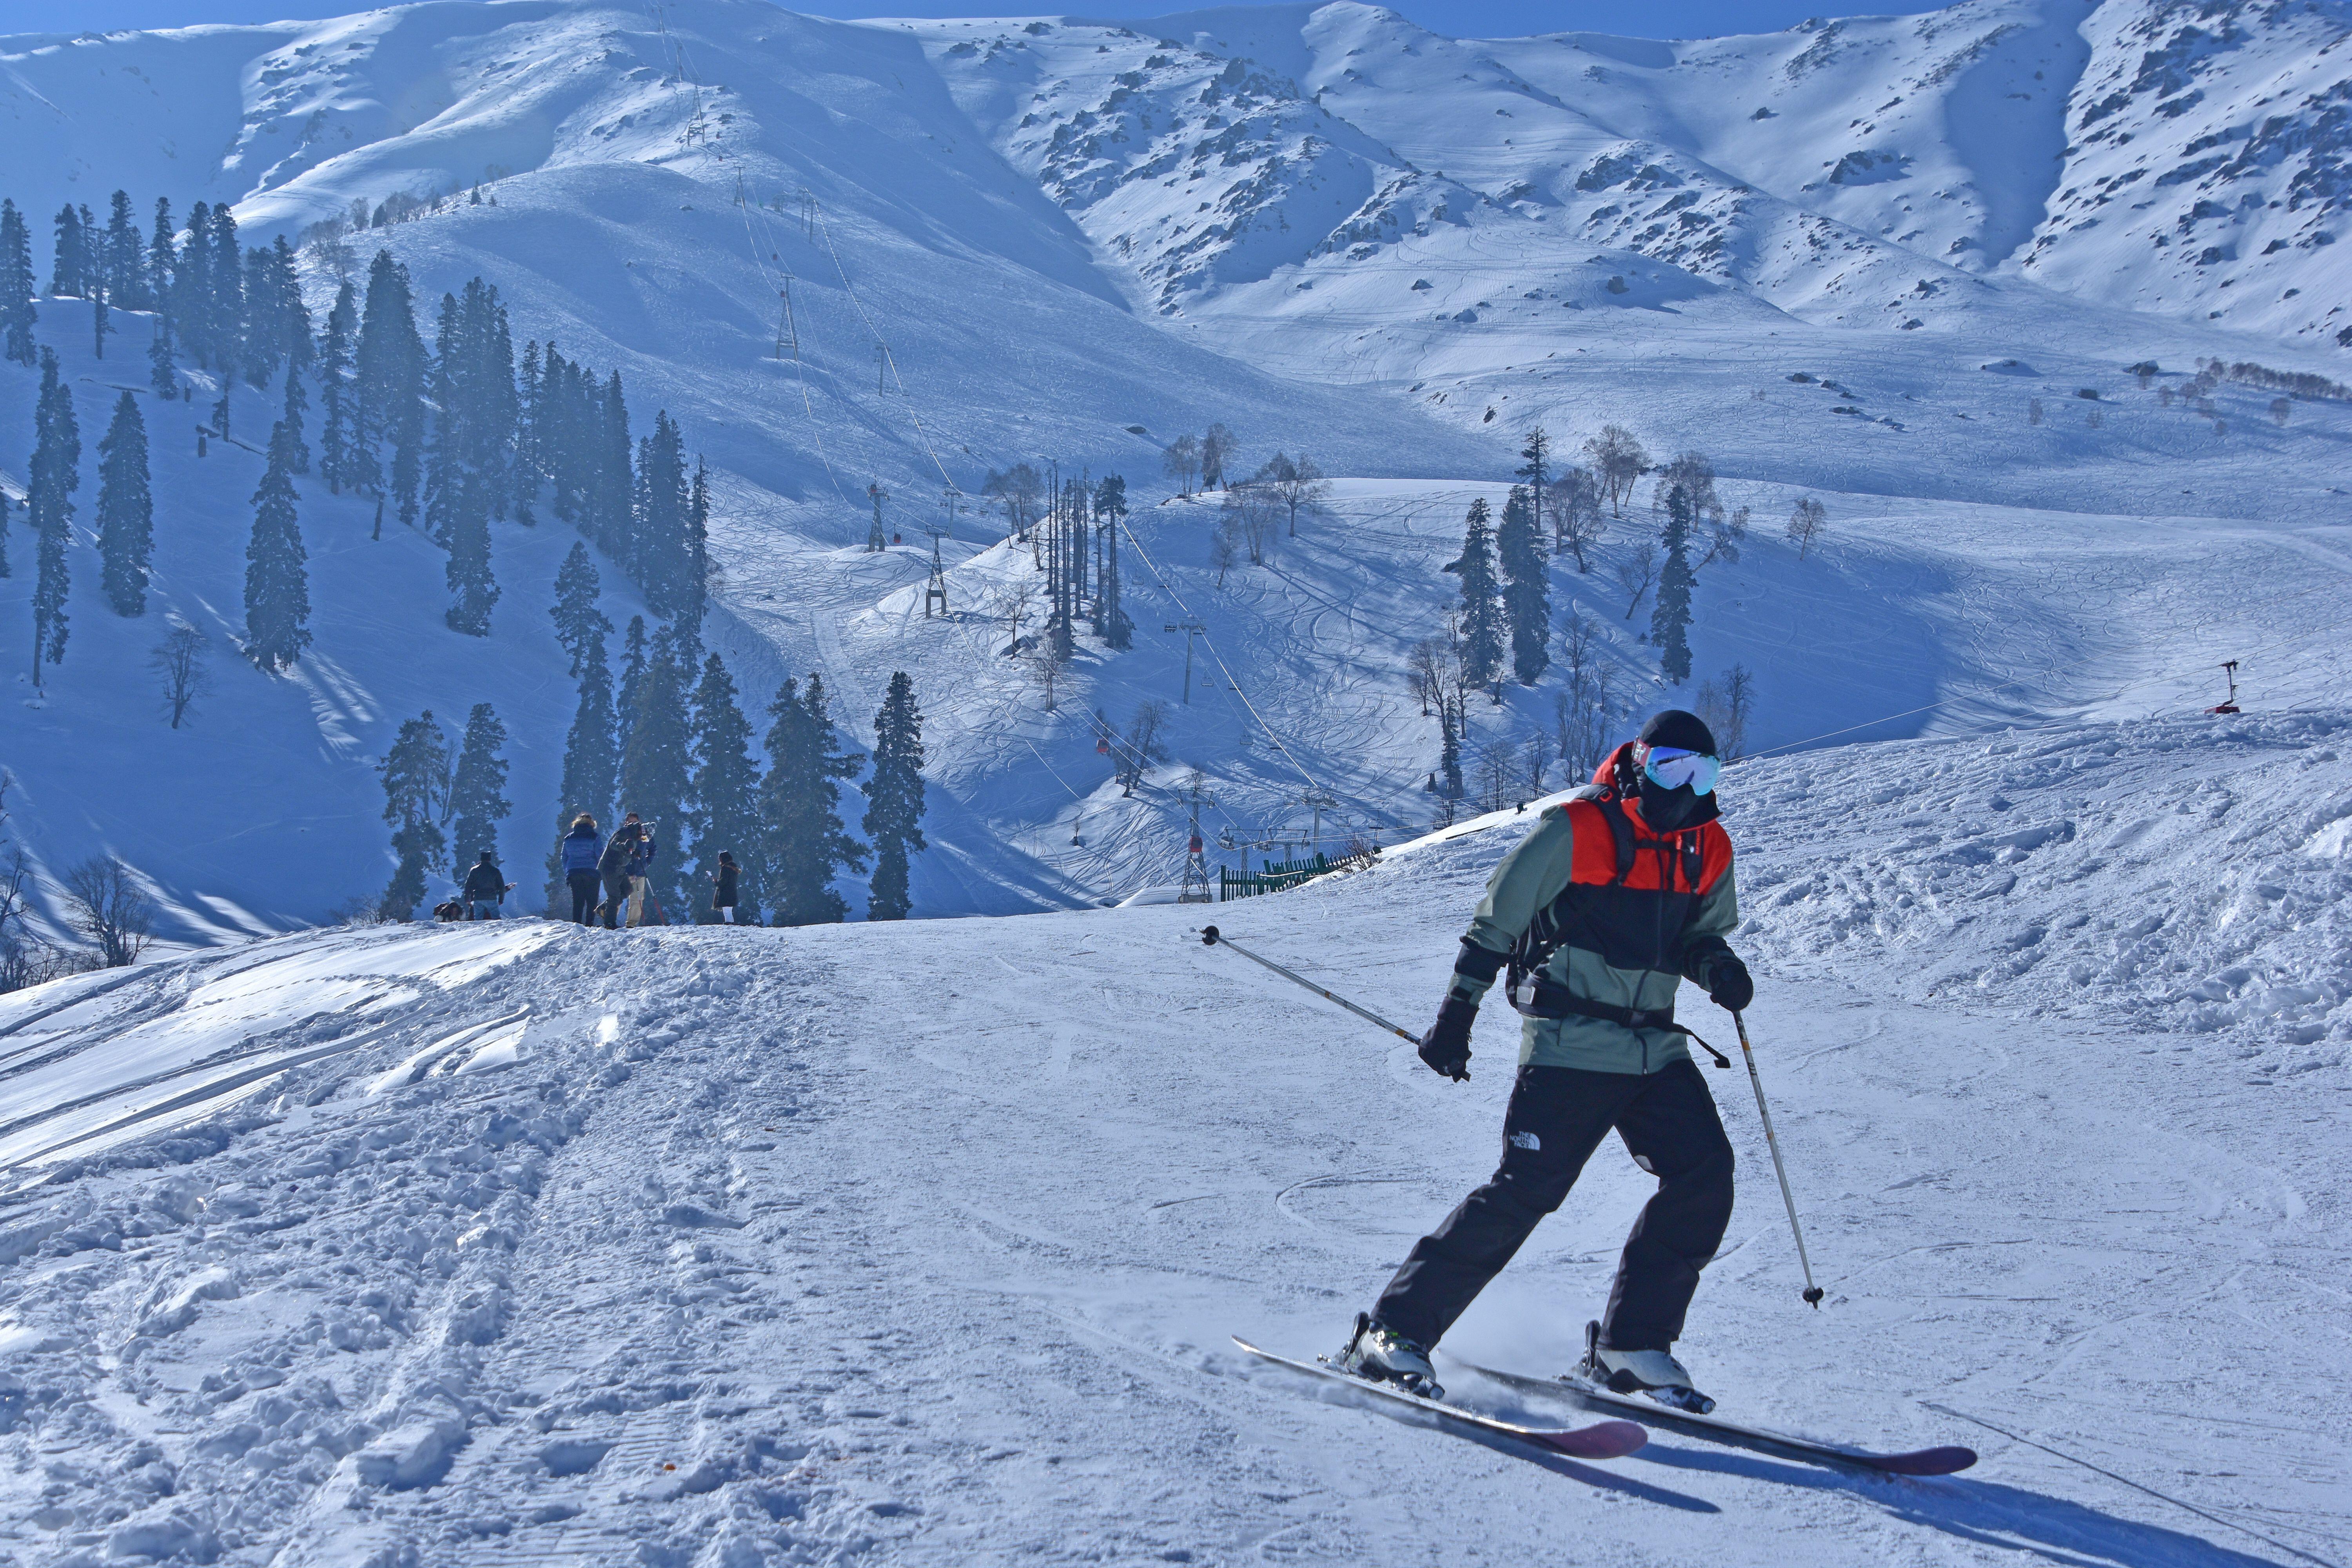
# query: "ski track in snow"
{"type": "Point", "coordinates": [921, 1242]}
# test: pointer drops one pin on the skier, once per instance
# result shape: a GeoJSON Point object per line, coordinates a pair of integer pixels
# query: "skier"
{"type": "Point", "coordinates": [581, 850]}
{"type": "Point", "coordinates": [485, 887]}
{"type": "Point", "coordinates": [722, 891]}
{"type": "Point", "coordinates": [612, 865]}
{"type": "Point", "coordinates": [1617, 895]}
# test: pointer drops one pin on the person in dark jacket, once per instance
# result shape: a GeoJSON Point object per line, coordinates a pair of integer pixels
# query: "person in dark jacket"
{"type": "Point", "coordinates": [580, 849]}
{"type": "Point", "coordinates": [638, 870]}
{"type": "Point", "coordinates": [485, 887]}
{"type": "Point", "coordinates": [1618, 895]}
{"type": "Point", "coordinates": [612, 865]}
{"type": "Point", "coordinates": [722, 891]}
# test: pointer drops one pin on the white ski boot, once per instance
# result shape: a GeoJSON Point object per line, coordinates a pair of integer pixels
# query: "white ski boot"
{"type": "Point", "coordinates": [1380, 1354]}
{"type": "Point", "coordinates": [1654, 1373]}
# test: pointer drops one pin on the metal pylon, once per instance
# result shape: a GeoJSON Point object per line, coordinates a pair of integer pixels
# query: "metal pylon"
{"type": "Point", "coordinates": [1195, 888]}
{"type": "Point", "coordinates": [936, 592]}
{"type": "Point", "coordinates": [878, 537]}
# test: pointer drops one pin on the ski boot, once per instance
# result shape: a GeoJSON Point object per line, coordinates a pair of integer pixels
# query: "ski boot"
{"type": "Point", "coordinates": [1379, 1354]}
{"type": "Point", "coordinates": [1654, 1373]}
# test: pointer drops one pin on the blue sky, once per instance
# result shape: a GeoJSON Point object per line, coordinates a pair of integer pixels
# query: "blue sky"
{"type": "Point", "coordinates": [1460, 18]}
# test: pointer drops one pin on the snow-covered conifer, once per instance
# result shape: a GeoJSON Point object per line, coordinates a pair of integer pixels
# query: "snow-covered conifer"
{"type": "Point", "coordinates": [1527, 597]}
{"type": "Point", "coordinates": [163, 376]}
{"type": "Point", "coordinates": [290, 423]}
{"type": "Point", "coordinates": [71, 256]}
{"type": "Point", "coordinates": [416, 774]}
{"type": "Point", "coordinates": [125, 510]}
{"type": "Point", "coordinates": [336, 433]}
{"type": "Point", "coordinates": [16, 312]}
{"type": "Point", "coordinates": [656, 775]}
{"type": "Point", "coordinates": [277, 572]}
{"type": "Point", "coordinates": [726, 812]}
{"type": "Point", "coordinates": [126, 261]}
{"type": "Point", "coordinates": [803, 845]}
{"type": "Point", "coordinates": [1670, 617]}
{"type": "Point", "coordinates": [1481, 631]}
{"type": "Point", "coordinates": [476, 805]}
{"type": "Point", "coordinates": [893, 799]}
{"type": "Point", "coordinates": [579, 624]}
{"type": "Point", "coordinates": [56, 474]}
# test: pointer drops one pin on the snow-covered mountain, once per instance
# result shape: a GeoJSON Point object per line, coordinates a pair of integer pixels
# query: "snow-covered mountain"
{"type": "Point", "coordinates": [1856, 261]}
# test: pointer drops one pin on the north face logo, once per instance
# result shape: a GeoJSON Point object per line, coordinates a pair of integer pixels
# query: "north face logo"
{"type": "Point", "coordinates": [1526, 1141]}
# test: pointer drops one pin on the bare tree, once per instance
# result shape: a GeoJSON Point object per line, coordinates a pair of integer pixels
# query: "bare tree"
{"type": "Point", "coordinates": [1582, 714]}
{"type": "Point", "coordinates": [1252, 510]}
{"type": "Point", "coordinates": [1724, 534]}
{"type": "Point", "coordinates": [107, 905]}
{"type": "Point", "coordinates": [1216, 457]}
{"type": "Point", "coordinates": [1296, 483]}
{"type": "Point", "coordinates": [1576, 518]}
{"type": "Point", "coordinates": [1224, 548]}
{"type": "Point", "coordinates": [1019, 490]}
{"type": "Point", "coordinates": [1695, 475]}
{"type": "Point", "coordinates": [1808, 520]}
{"type": "Point", "coordinates": [1013, 601]}
{"type": "Point", "coordinates": [1726, 703]}
{"type": "Point", "coordinates": [1493, 773]}
{"type": "Point", "coordinates": [1536, 754]}
{"type": "Point", "coordinates": [1045, 663]}
{"type": "Point", "coordinates": [1142, 748]}
{"type": "Point", "coordinates": [179, 661]}
{"type": "Point", "coordinates": [24, 957]}
{"type": "Point", "coordinates": [1182, 462]}
{"type": "Point", "coordinates": [1619, 459]}
{"type": "Point", "coordinates": [1424, 667]}
{"type": "Point", "coordinates": [1635, 570]}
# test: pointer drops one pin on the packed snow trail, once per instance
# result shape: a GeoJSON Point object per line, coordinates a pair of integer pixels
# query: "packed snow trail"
{"type": "Point", "coordinates": [922, 1242]}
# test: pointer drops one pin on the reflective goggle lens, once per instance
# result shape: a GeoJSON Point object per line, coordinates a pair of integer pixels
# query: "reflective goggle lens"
{"type": "Point", "coordinates": [1672, 768]}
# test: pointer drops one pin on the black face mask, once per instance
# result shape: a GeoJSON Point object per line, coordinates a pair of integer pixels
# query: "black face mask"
{"type": "Point", "coordinates": [1666, 809]}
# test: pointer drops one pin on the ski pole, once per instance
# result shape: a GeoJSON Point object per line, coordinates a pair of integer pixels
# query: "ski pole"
{"type": "Point", "coordinates": [1813, 1291]}
{"type": "Point", "coordinates": [1211, 937]}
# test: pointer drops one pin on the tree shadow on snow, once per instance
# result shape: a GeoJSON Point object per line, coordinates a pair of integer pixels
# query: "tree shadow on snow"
{"type": "Point", "coordinates": [1989, 1513]}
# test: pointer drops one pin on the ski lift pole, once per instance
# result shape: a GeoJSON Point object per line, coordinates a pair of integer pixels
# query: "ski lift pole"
{"type": "Point", "coordinates": [1212, 937]}
{"type": "Point", "coordinates": [1813, 1291]}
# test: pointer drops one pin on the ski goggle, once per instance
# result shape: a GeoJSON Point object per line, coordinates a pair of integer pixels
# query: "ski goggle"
{"type": "Point", "coordinates": [1671, 767]}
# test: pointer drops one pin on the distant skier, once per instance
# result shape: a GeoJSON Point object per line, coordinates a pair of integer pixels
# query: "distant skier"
{"type": "Point", "coordinates": [582, 849]}
{"type": "Point", "coordinates": [1615, 897]}
{"type": "Point", "coordinates": [485, 887]}
{"type": "Point", "coordinates": [612, 865]}
{"type": "Point", "coordinates": [722, 889]}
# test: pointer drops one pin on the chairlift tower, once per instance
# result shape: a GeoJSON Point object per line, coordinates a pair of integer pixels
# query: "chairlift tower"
{"type": "Point", "coordinates": [1195, 886]}
{"type": "Point", "coordinates": [1318, 802]}
{"type": "Point", "coordinates": [876, 537]}
{"type": "Point", "coordinates": [935, 594]}
{"type": "Point", "coordinates": [1191, 629]}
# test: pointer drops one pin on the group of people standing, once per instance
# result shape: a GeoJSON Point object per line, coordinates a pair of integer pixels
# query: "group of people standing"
{"type": "Point", "coordinates": [618, 867]}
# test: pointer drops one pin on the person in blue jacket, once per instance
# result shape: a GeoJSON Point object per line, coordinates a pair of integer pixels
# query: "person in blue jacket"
{"type": "Point", "coordinates": [581, 848]}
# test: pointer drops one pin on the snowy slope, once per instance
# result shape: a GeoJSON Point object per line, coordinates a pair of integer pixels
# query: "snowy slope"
{"type": "Point", "coordinates": [1063, 230]}
{"type": "Point", "coordinates": [921, 1243]}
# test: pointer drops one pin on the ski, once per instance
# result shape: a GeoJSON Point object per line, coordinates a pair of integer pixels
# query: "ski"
{"type": "Point", "coordinates": [1602, 1440]}
{"type": "Point", "coordinates": [1939, 1461]}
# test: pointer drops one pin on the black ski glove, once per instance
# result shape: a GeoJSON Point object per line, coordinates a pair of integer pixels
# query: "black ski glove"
{"type": "Point", "coordinates": [1728, 985]}
{"type": "Point", "coordinates": [1447, 1047]}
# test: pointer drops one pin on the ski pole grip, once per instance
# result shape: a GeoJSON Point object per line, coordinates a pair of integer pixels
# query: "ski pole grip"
{"type": "Point", "coordinates": [1208, 936]}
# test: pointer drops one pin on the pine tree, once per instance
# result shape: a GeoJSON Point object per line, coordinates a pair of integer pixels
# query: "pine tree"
{"type": "Point", "coordinates": [632, 676]}
{"type": "Point", "coordinates": [656, 766]}
{"type": "Point", "coordinates": [611, 482]}
{"type": "Point", "coordinates": [1481, 638]}
{"type": "Point", "coordinates": [125, 510]}
{"type": "Point", "coordinates": [388, 385]}
{"type": "Point", "coordinates": [162, 262]}
{"type": "Point", "coordinates": [102, 320]}
{"type": "Point", "coordinates": [1526, 601]}
{"type": "Point", "coordinates": [893, 799]}
{"type": "Point", "coordinates": [476, 805]}
{"type": "Point", "coordinates": [56, 474]}
{"type": "Point", "coordinates": [334, 360]}
{"type": "Point", "coordinates": [525, 471]}
{"type": "Point", "coordinates": [592, 765]}
{"type": "Point", "coordinates": [1670, 619]}
{"type": "Point", "coordinates": [290, 423]}
{"type": "Point", "coordinates": [725, 813]}
{"type": "Point", "coordinates": [1112, 623]}
{"type": "Point", "coordinates": [191, 296]}
{"type": "Point", "coordinates": [803, 845]}
{"type": "Point", "coordinates": [16, 312]}
{"type": "Point", "coordinates": [655, 551]}
{"type": "Point", "coordinates": [126, 261]}
{"type": "Point", "coordinates": [225, 296]}
{"type": "Point", "coordinates": [277, 571]}
{"type": "Point", "coordinates": [67, 270]}
{"type": "Point", "coordinates": [163, 376]}
{"type": "Point", "coordinates": [694, 567]}
{"type": "Point", "coordinates": [416, 774]}
{"type": "Point", "coordinates": [467, 480]}
{"type": "Point", "coordinates": [1536, 472]}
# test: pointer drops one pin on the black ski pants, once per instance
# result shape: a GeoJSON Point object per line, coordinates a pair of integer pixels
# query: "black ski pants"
{"type": "Point", "coordinates": [616, 896]}
{"type": "Point", "coordinates": [585, 885]}
{"type": "Point", "coordinates": [1557, 1116]}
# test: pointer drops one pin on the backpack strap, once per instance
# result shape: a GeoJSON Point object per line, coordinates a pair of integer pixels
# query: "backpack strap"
{"type": "Point", "coordinates": [1620, 827]}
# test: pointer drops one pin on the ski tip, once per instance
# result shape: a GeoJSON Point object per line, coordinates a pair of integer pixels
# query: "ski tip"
{"type": "Point", "coordinates": [1921, 1462]}
{"type": "Point", "coordinates": [1602, 1440]}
